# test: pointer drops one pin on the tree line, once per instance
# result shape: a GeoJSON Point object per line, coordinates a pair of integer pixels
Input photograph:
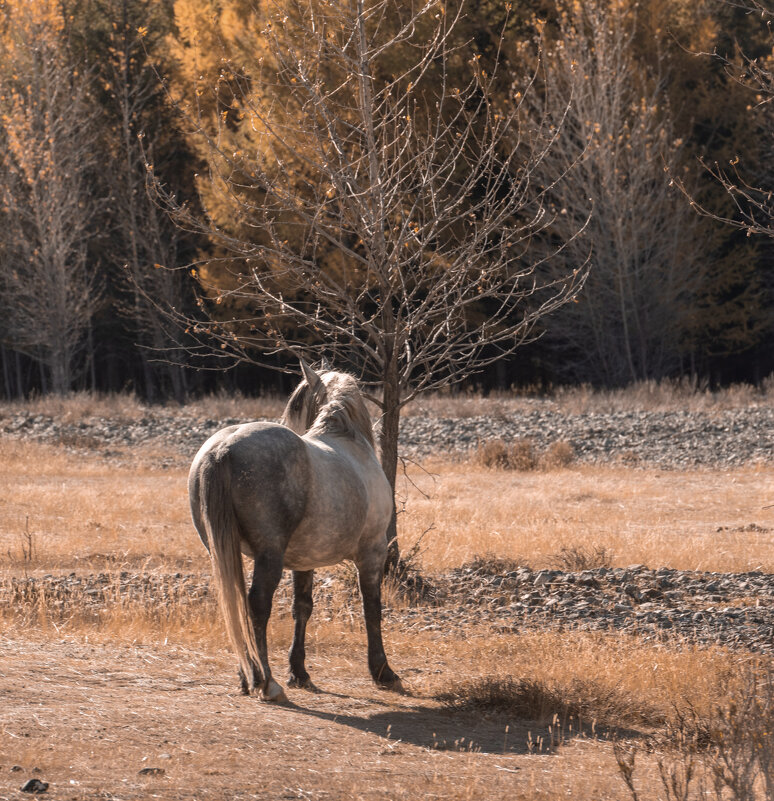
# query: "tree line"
{"type": "Point", "coordinates": [199, 184]}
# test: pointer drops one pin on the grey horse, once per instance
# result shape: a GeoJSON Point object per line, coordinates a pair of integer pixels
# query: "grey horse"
{"type": "Point", "coordinates": [299, 495]}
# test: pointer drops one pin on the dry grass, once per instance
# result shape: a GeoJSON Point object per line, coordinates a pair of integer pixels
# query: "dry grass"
{"type": "Point", "coordinates": [120, 683]}
{"type": "Point", "coordinates": [693, 519]}
{"type": "Point", "coordinates": [594, 678]}
{"type": "Point", "coordinates": [667, 395]}
{"type": "Point", "coordinates": [128, 407]}
{"type": "Point", "coordinates": [80, 512]}
{"type": "Point", "coordinates": [77, 512]}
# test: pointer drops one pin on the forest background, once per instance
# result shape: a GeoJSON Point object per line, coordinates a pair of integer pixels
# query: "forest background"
{"type": "Point", "coordinates": [100, 98]}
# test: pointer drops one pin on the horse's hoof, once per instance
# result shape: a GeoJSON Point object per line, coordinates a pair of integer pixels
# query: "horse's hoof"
{"type": "Point", "coordinates": [301, 683]}
{"type": "Point", "coordinates": [391, 683]}
{"type": "Point", "coordinates": [274, 693]}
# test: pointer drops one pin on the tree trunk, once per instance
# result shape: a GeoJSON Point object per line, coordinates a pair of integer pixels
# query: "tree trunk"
{"type": "Point", "coordinates": [388, 444]}
{"type": "Point", "coordinates": [20, 387]}
{"type": "Point", "coordinates": [60, 373]}
{"type": "Point", "coordinates": [43, 381]}
{"type": "Point", "coordinates": [6, 375]}
{"type": "Point", "coordinates": [92, 366]}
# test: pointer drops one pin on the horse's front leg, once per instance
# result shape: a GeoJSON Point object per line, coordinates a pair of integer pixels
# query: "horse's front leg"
{"type": "Point", "coordinates": [266, 576]}
{"type": "Point", "coordinates": [370, 579]}
{"type": "Point", "coordinates": [302, 610]}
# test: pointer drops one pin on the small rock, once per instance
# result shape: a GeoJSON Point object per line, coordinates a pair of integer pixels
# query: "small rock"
{"type": "Point", "coordinates": [34, 786]}
{"type": "Point", "coordinates": [633, 591]}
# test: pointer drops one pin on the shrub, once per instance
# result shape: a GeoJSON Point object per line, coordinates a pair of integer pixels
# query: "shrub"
{"type": "Point", "coordinates": [533, 699]}
{"type": "Point", "coordinates": [489, 564]}
{"type": "Point", "coordinates": [558, 454]}
{"type": "Point", "coordinates": [576, 557]}
{"type": "Point", "coordinates": [518, 455]}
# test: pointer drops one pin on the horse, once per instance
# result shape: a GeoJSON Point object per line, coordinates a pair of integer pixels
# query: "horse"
{"type": "Point", "coordinates": [300, 494]}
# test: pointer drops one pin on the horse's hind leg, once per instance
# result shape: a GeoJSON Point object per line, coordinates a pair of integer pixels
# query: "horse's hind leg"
{"type": "Point", "coordinates": [302, 609]}
{"type": "Point", "coordinates": [370, 580]}
{"type": "Point", "coordinates": [257, 680]}
{"type": "Point", "coordinates": [266, 577]}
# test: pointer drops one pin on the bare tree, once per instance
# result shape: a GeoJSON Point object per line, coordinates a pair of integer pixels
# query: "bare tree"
{"type": "Point", "coordinates": [617, 151]}
{"type": "Point", "coordinates": [753, 197]}
{"type": "Point", "coordinates": [48, 286]}
{"type": "Point", "coordinates": [373, 198]}
{"type": "Point", "coordinates": [148, 238]}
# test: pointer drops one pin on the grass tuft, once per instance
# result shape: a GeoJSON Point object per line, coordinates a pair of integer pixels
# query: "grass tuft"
{"type": "Point", "coordinates": [584, 700]}
{"type": "Point", "coordinates": [490, 564]}
{"type": "Point", "coordinates": [580, 557]}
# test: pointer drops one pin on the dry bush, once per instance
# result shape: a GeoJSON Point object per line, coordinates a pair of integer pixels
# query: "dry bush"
{"type": "Point", "coordinates": [615, 680]}
{"type": "Point", "coordinates": [581, 700]}
{"type": "Point", "coordinates": [578, 557]}
{"type": "Point", "coordinates": [517, 455]}
{"type": "Point", "coordinates": [490, 564]}
{"type": "Point", "coordinates": [558, 454]}
{"type": "Point", "coordinates": [741, 735]}
{"type": "Point", "coordinates": [520, 455]}
{"type": "Point", "coordinates": [724, 752]}
{"type": "Point", "coordinates": [492, 453]}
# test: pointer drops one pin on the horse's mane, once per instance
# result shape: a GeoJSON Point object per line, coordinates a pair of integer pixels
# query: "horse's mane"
{"type": "Point", "coordinates": [336, 407]}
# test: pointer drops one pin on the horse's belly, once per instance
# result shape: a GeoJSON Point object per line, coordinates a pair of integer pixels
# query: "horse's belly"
{"type": "Point", "coordinates": [310, 552]}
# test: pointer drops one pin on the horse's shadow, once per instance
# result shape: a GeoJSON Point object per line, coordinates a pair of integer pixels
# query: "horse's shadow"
{"type": "Point", "coordinates": [442, 729]}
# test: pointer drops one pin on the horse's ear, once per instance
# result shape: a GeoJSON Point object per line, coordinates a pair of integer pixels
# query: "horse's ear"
{"type": "Point", "coordinates": [311, 377]}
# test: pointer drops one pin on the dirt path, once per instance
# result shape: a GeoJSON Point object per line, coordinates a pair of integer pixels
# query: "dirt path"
{"type": "Point", "coordinates": [88, 718]}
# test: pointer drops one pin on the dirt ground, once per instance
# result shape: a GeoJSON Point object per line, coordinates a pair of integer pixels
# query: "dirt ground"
{"type": "Point", "coordinates": [88, 701]}
{"type": "Point", "coordinates": [88, 719]}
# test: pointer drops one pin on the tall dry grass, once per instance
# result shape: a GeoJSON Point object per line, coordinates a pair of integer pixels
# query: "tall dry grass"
{"type": "Point", "coordinates": [79, 512]}
{"type": "Point", "coordinates": [664, 395]}
{"type": "Point", "coordinates": [127, 407]}
{"type": "Point", "coordinates": [693, 520]}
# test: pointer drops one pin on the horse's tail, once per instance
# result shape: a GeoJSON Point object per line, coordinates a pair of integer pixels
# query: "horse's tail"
{"type": "Point", "coordinates": [223, 535]}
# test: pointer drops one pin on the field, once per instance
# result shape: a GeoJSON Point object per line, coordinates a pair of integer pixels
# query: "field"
{"type": "Point", "coordinates": [95, 694]}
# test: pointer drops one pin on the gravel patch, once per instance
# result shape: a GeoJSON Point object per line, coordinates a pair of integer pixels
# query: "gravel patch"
{"type": "Point", "coordinates": [669, 439]}
{"type": "Point", "coordinates": [735, 610]}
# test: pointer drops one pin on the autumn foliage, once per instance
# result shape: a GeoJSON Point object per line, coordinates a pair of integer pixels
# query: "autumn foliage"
{"type": "Point", "coordinates": [102, 100]}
